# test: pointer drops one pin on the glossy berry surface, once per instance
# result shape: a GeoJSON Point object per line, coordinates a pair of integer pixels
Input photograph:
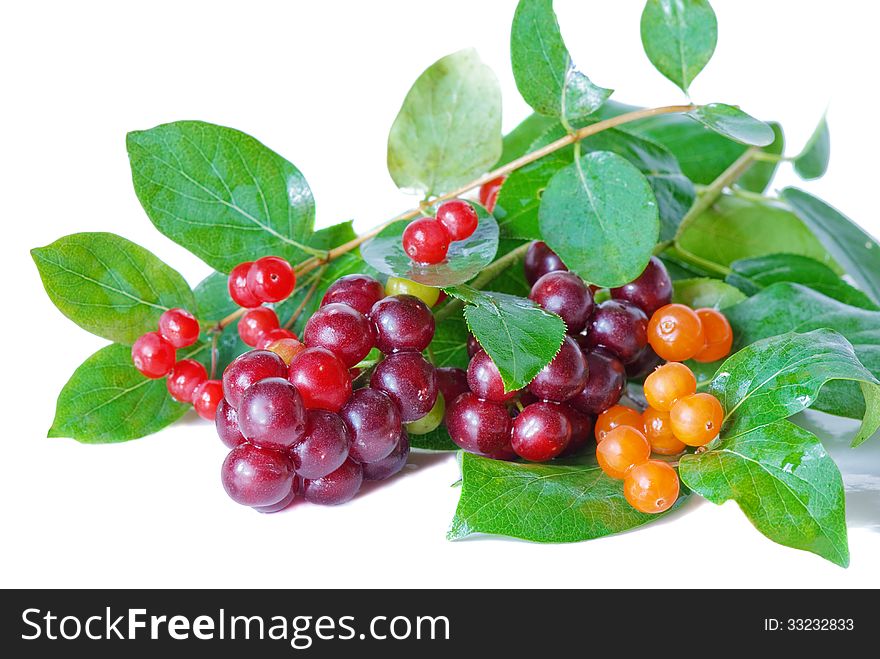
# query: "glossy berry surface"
{"type": "Point", "coordinates": [478, 426]}
{"type": "Point", "coordinates": [284, 503]}
{"type": "Point", "coordinates": [403, 323]}
{"type": "Point", "coordinates": [271, 279]}
{"type": "Point", "coordinates": [696, 420]}
{"type": "Point", "coordinates": [206, 398]}
{"type": "Point", "coordinates": [581, 429]}
{"type": "Point", "coordinates": [409, 381]}
{"type": "Point", "coordinates": [651, 487]}
{"type": "Point", "coordinates": [605, 382]}
{"type": "Point", "coordinates": [431, 421]}
{"type": "Point", "coordinates": [337, 487]}
{"type": "Point", "coordinates": [226, 422]}
{"type": "Point", "coordinates": [540, 432]}
{"type": "Point", "coordinates": [717, 333]}
{"type": "Point", "coordinates": [564, 377]}
{"type": "Point", "coordinates": [287, 349]}
{"type": "Point", "coordinates": [185, 376]}
{"type": "Point", "coordinates": [620, 327]}
{"type": "Point", "coordinates": [268, 338]}
{"type": "Point", "coordinates": [668, 384]}
{"type": "Point", "coordinates": [622, 449]}
{"type": "Point", "coordinates": [676, 333]}
{"type": "Point", "coordinates": [324, 446]}
{"type": "Point", "coordinates": [341, 329]}
{"type": "Point", "coordinates": [179, 327]}
{"type": "Point", "coordinates": [426, 240]}
{"type": "Point", "coordinates": [272, 414]}
{"type": "Point", "coordinates": [459, 218]}
{"type": "Point", "coordinates": [321, 378]}
{"type": "Point", "coordinates": [644, 364]}
{"type": "Point", "coordinates": [254, 476]}
{"type": "Point", "coordinates": [452, 382]}
{"type": "Point", "coordinates": [613, 417]}
{"type": "Point", "coordinates": [374, 424]}
{"type": "Point", "coordinates": [540, 260]}
{"type": "Point", "coordinates": [650, 291]}
{"type": "Point", "coordinates": [489, 193]}
{"type": "Point", "coordinates": [358, 291]}
{"type": "Point", "coordinates": [566, 295]}
{"type": "Point", "coordinates": [256, 322]}
{"type": "Point", "coordinates": [400, 286]}
{"type": "Point", "coordinates": [248, 368]}
{"type": "Point", "coordinates": [238, 288]}
{"type": "Point", "coordinates": [390, 464]}
{"type": "Point", "coordinates": [153, 356]}
{"type": "Point", "coordinates": [658, 430]}
{"type": "Point", "coordinates": [473, 346]}
{"type": "Point", "coordinates": [484, 379]}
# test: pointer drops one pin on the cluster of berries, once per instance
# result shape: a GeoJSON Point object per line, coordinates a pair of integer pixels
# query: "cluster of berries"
{"type": "Point", "coordinates": [427, 239]}
{"type": "Point", "coordinates": [269, 279]}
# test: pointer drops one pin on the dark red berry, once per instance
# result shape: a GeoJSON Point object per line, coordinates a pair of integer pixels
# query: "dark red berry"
{"type": "Point", "coordinates": [226, 423]}
{"type": "Point", "coordinates": [426, 240]}
{"type": "Point", "coordinates": [323, 448]}
{"type": "Point", "coordinates": [271, 279]}
{"type": "Point", "coordinates": [540, 260]}
{"type": "Point", "coordinates": [563, 377]}
{"type": "Point", "coordinates": [255, 323]}
{"type": "Point", "coordinates": [489, 193]}
{"type": "Point", "coordinates": [374, 424]}
{"type": "Point", "coordinates": [391, 464]}
{"type": "Point", "coordinates": [255, 476]}
{"type": "Point", "coordinates": [540, 432]}
{"type": "Point", "coordinates": [409, 381]}
{"type": "Point", "coordinates": [459, 218]}
{"type": "Point", "coordinates": [644, 364]}
{"type": "Point", "coordinates": [271, 336]}
{"type": "Point", "coordinates": [566, 295]}
{"type": "Point", "coordinates": [248, 368]}
{"type": "Point", "coordinates": [152, 355]}
{"type": "Point", "coordinates": [336, 487]}
{"type": "Point", "coordinates": [478, 426]}
{"type": "Point", "coordinates": [206, 398]}
{"type": "Point", "coordinates": [179, 327]}
{"type": "Point", "coordinates": [360, 292]}
{"type": "Point", "coordinates": [581, 429]}
{"type": "Point", "coordinates": [452, 382]}
{"type": "Point", "coordinates": [238, 288]}
{"type": "Point", "coordinates": [604, 385]}
{"type": "Point", "coordinates": [272, 414]}
{"type": "Point", "coordinates": [285, 502]}
{"type": "Point", "coordinates": [484, 379]}
{"type": "Point", "coordinates": [341, 329]}
{"type": "Point", "coordinates": [650, 291]}
{"type": "Point", "coordinates": [185, 376]}
{"type": "Point", "coordinates": [473, 346]}
{"type": "Point", "coordinates": [321, 378]}
{"type": "Point", "coordinates": [620, 327]}
{"type": "Point", "coordinates": [403, 324]}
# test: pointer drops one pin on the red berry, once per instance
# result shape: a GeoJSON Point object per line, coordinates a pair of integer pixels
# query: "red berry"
{"type": "Point", "coordinates": [403, 324]}
{"type": "Point", "coordinates": [342, 330]}
{"type": "Point", "coordinates": [540, 432]}
{"type": "Point", "coordinates": [360, 292]}
{"type": "Point", "coordinates": [271, 279]}
{"type": "Point", "coordinates": [426, 241]}
{"type": "Point", "coordinates": [564, 377]}
{"type": "Point", "coordinates": [248, 368]}
{"type": "Point", "coordinates": [540, 260]}
{"type": "Point", "coordinates": [255, 476]}
{"type": "Point", "coordinates": [284, 503]}
{"type": "Point", "coordinates": [650, 291]}
{"type": "Point", "coordinates": [272, 414]}
{"type": "Point", "coordinates": [323, 448]}
{"type": "Point", "coordinates": [336, 487]}
{"type": "Point", "coordinates": [273, 335]}
{"type": "Point", "coordinates": [238, 288]}
{"type": "Point", "coordinates": [226, 423]}
{"type": "Point", "coordinates": [459, 218]}
{"type": "Point", "coordinates": [581, 428]}
{"type": "Point", "coordinates": [255, 323]}
{"type": "Point", "coordinates": [452, 382]}
{"type": "Point", "coordinates": [152, 355]}
{"type": "Point", "coordinates": [322, 379]}
{"type": "Point", "coordinates": [478, 426]}
{"type": "Point", "coordinates": [485, 381]}
{"type": "Point", "coordinates": [489, 192]}
{"type": "Point", "coordinates": [566, 295]}
{"type": "Point", "coordinates": [185, 376]}
{"type": "Point", "coordinates": [390, 464]}
{"type": "Point", "coordinates": [207, 397]}
{"type": "Point", "coordinates": [374, 424]}
{"type": "Point", "coordinates": [179, 327]}
{"type": "Point", "coordinates": [410, 381]}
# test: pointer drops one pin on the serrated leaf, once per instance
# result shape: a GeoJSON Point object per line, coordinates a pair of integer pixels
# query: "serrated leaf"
{"type": "Point", "coordinates": [107, 400]}
{"type": "Point", "coordinates": [599, 215]}
{"type": "Point", "coordinates": [108, 285]}
{"type": "Point", "coordinates": [733, 123]}
{"type": "Point", "coordinates": [703, 292]}
{"type": "Point", "coordinates": [448, 130]}
{"type": "Point", "coordinates": [220, 193]}
{"type": "Point", "coordinates": [542, 66]}
{"type": "Point", "coordinates": [812, 162]}
{"type": "Point", "coordinates": [519, 336]}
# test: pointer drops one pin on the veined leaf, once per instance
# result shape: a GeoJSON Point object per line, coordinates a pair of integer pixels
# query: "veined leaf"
{"type": "Point", "coordinates": [705, 292]}
{"type": "Point", "coordinates": [733, 123]}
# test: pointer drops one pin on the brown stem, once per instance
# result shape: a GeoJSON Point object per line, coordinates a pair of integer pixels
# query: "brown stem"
{"type": "Point", "coordinates": [308, 296]}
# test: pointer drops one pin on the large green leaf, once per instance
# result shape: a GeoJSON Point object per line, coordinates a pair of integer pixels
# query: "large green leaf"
{"type": "Point", "coordinates": [107, 400]}
{"type": "Point", "coordinates": [542, 67]}
{"type": "Point", "coordinates": [220, 193]}
{"type": "Point", "coordinates": [519, 336]}
{"type": "Point", "coordinates": [856, 250]}
{"type": "Point", "coordinates": [679, 37]}
{"type": "Point", "coordinates": [448, 130]}
{"type": "Point", "coordinates": [600, 215]}
{"type": "Point", "coordinates": [449, 345]}
{"type": "Point", "coordinates": [109, 285]}
{"type": "Point", "coordinates": [701, 292]}
{"type": "Point", "coordinates": [812, 162]}
{"type": "Point", "coordinates": [541, 502]}
{"type": "Point", "coordinates": [733, 123]}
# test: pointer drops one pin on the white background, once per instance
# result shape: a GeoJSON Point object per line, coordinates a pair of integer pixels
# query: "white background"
{"type": "Point", "coordinates": [321, 82]}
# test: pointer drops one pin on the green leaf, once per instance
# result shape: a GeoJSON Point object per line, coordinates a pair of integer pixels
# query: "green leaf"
{"type": "Point", "coordinates": [679, 37]}
{"type": "Point", "coordinates": [785, 483]}
{"type": "Point", "coordinates": [542, 67]}
{"type": "Point", "coordinates": [518, 141]}
{"type": "Point", "coordinates": [436, 440]}
{"type": "Point", "coordinates": [541, 502]}
{"type": "Point", "coordinates": [107, 400]}
{"type": "Point", "coordinates": [220, 193]}
{"type": "Point", "coordinates": [519, 336]}
{"type": "Point", "coordinates": [752, 275]}
{"type": "Point", "coordinates": [600, 215]}
{"type": "Point", "coordinates": [449, 345]}
{"type": "Point", "coordinates": [812, 162]}
{"type": "Point", "coordinates": [733, 123]}
{"type": "Point", "coordinates": [852, 246]}
{"type": "Point", "coordinates": [448, 130]}
{"type": "Point", "coordinates": [704, 292]}
{"type": "Point", "coordinates": [465, 259]}
{"type": "Point", "coordinates": [761, 173]}
{"type": "Point", "coordinates": [108, 285]}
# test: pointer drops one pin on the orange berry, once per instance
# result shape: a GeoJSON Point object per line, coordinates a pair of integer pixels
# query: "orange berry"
{"type": "Point", "coordinates": [651, 487]}
{"type": "Point", "coordinates": [676, 333]}
{"type": "Point", "coordinates": [718, 334]}
{"type": "Point", "coordinates": [621, 450]}
{"type": "Point", "coordinates": [658, 430]}
{"type": "Point", "coordinates": [696, 420]}
{"type": "Point", "coordinates": [667, 384]}
{"type": "Point", "coordinates": [614, 416]}
{"type": "Point", "coordinates": [286, 348]}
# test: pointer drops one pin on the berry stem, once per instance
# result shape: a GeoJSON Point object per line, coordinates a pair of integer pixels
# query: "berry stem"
{"type": "Point", "coordinates": [308, 296]}
{"type": "Point", "coordinates": [215, 338]}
